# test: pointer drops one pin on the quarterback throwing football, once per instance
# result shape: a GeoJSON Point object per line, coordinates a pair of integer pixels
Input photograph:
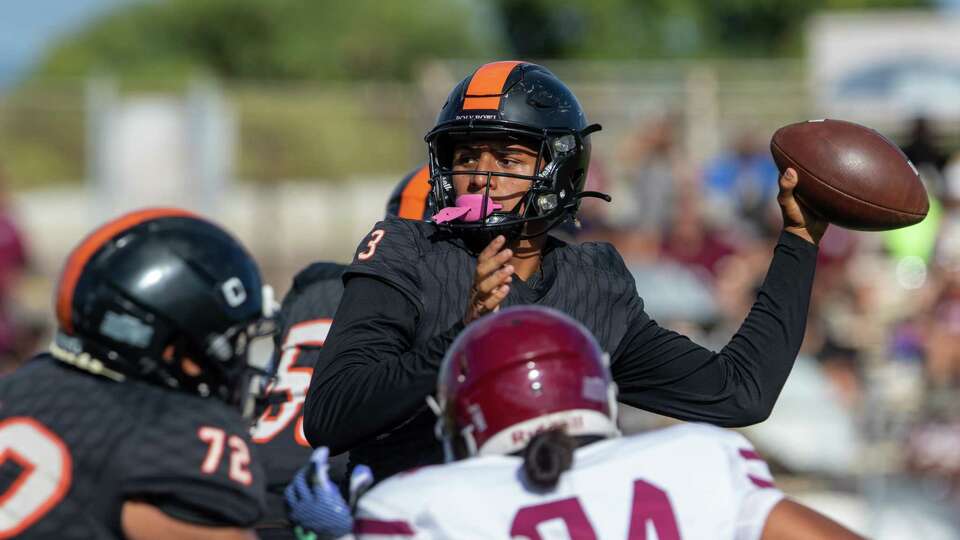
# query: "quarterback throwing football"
{"type": "Point", "coordinates": [508, 161]}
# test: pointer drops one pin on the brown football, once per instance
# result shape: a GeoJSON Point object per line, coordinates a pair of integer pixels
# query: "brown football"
{"type": "Point", "coordinates": [851, 175]}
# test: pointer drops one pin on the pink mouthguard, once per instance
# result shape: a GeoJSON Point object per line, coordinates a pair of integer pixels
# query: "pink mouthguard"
{"type": "Point", "coordinates": [467, 209]}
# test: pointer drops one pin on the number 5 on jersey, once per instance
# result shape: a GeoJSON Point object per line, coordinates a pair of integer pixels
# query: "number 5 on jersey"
{"type": "Point", "coordinates": [292, 382]}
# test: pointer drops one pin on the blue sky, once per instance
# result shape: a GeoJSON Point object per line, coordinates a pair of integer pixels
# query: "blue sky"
{"type": "Point", "coordinates": [27, 28]}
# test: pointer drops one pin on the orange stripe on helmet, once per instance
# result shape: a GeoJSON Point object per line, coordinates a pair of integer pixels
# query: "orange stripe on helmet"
{"type": "Point", "coordinates": [413, 199]}
{"type": "Point", "coordinates": [486, 85]}
{"type": "Point", "coordinates": [90, 245]}
{"type": "Point", "coordinates": [484, 103]}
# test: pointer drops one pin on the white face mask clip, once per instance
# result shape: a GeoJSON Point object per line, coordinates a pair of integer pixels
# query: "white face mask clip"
{"type": "Point", "coordinates": [439, 430]}
{"type": "Point", "coordinates": [270, 304]}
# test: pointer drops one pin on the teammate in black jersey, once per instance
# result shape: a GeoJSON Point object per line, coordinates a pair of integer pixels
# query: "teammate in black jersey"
{"type": "Point", "coordinates": [304, 319]}
{"type": "Point", "coordinates": [508, 159]}
{"type": "Point", "coordinates": [130, 426]}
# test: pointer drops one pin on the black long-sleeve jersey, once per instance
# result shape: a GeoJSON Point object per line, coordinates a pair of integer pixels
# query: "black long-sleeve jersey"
{"type": "Point", "coordinates": [304, 320]}
{"type": "Point", "coordinates": [76, 446]}
{"type": "Point", "coordinates": [404, 299]}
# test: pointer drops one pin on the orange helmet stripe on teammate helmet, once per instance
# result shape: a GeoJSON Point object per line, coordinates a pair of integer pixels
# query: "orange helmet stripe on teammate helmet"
{"type": "Point", "coordinates": [91, 244]}
{"type": "Point", "coordinates": [413, 200]}
{"type": "Point", "coordinates": [486, 86]}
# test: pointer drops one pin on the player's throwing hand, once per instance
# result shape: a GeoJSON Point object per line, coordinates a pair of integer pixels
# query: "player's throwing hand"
{"type": "Point", "coordinates": [491, 281]}
{"type": "Point", "coordinates": [797, 219]}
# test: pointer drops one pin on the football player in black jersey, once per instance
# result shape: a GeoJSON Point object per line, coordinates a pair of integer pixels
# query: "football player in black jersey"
{"type": "Point", "coordinates": [508, 158]}
{"type": "Point", "coordinates": [130, 427]}
{"type": "Point", "coordinates": [304, 319]}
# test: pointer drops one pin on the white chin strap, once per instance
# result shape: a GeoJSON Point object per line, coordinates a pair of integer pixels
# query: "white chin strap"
{"type": "Point", "coordinates": [575, 422]}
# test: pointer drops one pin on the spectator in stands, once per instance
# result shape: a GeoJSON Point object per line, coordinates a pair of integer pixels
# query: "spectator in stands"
{"type": "Point", "coordinates": [923, 151]}
{"type": "Point", "coordinates": [943, 336]}
{"type": "Point", "coordinates": [593, 212]}
{"type": "Point", "coordinates": [690, 241]}
{"type": "Point", "coordinates": [13, 261]}
{"type": "Point", "coordinates": [657, 169]}
{"type": "Point", "coordinates": [741, 184]}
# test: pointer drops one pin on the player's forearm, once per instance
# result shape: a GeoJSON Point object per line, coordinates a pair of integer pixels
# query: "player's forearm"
{"type": "Point", "coordinates": [664, 372]}
{"type": "Point", "coordinates": [369, 378]}
{"type": "Point", "coordinates": [762, 352]}
{"type": "Point", "coordinates": [141, 521]}
{"type": "Point", "coordinates": [790, 520]}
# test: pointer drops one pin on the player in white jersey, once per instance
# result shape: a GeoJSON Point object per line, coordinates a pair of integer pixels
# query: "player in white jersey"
{"type": "Point", "coordinates": [526, 395]}
{"type": "Point", "coordinates": [689, 481]}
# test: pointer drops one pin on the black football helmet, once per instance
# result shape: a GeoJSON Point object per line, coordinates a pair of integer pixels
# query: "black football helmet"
{"type": "Point", "coordinates": [163, 296]}
{"type": "Point", "coordinates": [526, 102]}
{"type": "Point", "coordinates": [410, 198]}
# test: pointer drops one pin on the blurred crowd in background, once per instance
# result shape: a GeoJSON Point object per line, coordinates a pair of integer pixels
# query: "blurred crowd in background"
{"type": "Point", "coordinates": [872, 406]}
{"type": "Point", "coordinates": [298, 157]}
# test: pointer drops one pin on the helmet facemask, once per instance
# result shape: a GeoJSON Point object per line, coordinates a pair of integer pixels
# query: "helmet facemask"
{"type": "Point", "coordinates": [228, 373]}
{"type": "Point", "coordinates": [555, 188]}
{"type": "Point", "coordinates": [225, 369]}
{"type": "Point", "coordinates": [457, 443]}
{"type": "Point", "coordinates": [216, 365]}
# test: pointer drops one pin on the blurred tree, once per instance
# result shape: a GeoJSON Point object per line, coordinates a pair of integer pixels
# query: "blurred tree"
{"type": "Point", "coordinates": [624, 29]}
{"type": "Point", "coordinates": [277, 40]}
{"type": "Point", "coordinates": [774, 27]}
{"type": "Point", "coordinates": [328, 130]}
{"type": "Point", "coordinates": [377, 39]}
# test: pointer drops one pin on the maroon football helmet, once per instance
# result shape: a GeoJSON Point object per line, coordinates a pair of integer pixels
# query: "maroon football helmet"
{"type": "Point", "coordinates": [518, 372]}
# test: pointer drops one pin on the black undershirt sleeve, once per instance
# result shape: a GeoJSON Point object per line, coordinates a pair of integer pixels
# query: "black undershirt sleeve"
{"type": "Point", "coordinates": [369, 378]}
{"type": "Point", "coordinates": [662, 371]}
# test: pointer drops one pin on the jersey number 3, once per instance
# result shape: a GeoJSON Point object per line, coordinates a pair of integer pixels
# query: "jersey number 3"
{"type": "Point", "coordinates": [375, 238]}
{"type": "Point", "coordinates": [650, 511]}
{"type": "Point", "coordinates": [45, 470]}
